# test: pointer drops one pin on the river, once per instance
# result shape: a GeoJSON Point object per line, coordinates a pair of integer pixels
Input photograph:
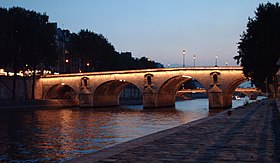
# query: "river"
{"type": "Point", "coordinates": [61, 134]}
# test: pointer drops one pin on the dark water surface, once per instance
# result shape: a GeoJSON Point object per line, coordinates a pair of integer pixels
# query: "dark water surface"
{"type": "Point", "coordinates": [62, 134]}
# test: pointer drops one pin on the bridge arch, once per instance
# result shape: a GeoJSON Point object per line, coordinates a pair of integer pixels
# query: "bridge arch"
{"type": "Point", "coordinates": [166, 95]}
{"type": "Point", "coordinates": [108, 93]}
{"type": "Point", "coordinates": [61, 91]}
{"type": "Point", "coordinates": [227, 97]}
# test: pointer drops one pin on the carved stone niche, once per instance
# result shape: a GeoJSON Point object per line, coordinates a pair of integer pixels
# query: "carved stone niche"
{"type": "Point", "coordinates": [84, 82]}
{"type": "Point", "coordinates": [148, 84]}
{"type": "Point", "coordinates": [214, 77]}
{"type": "Point", "coordinates": [85, 96]}
{"type": "Point", "coordinates": [148, 79]}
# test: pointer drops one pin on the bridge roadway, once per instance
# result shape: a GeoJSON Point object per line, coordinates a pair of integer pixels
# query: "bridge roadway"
{"type": "Point", "coordinates": [157, 86]}
{"type": "Point", "coordinates": [249, 134]}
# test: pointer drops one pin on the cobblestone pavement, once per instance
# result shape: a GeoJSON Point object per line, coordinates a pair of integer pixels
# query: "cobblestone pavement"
{"type": "Point", "coordinates": [249, 134]}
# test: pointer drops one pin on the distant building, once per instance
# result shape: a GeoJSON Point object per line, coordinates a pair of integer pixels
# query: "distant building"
{"type": "Point", "coordinates": [66, 62]}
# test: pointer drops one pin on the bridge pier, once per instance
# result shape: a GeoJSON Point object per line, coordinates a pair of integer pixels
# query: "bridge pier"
{"type": "Point", "coordinates": [166, 100]}
{"type": "Point", "coordinates": [106, 101]}
{"type": "Point", "coordinates": [227, 98]}
{"type": "Point", "coordinates": [149, 98]}
{"type": "Point", "coordinates": [219, 99]}
{"type": "Point", "coordinates": [85, 98]}
{"type": "Point", "coordinates": [215, 97]}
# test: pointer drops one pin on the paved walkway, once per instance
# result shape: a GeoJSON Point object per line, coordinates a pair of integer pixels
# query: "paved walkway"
{"type": "Point", "coordinates": [249, 134]}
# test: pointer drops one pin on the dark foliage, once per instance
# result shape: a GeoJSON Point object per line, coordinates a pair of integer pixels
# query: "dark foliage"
{"type": "Point", "coordinates": [97, 54]}
{"type": "Point", "coordinates": [259, 46]}
{"type": "Point", "coordinates": [26, 37]}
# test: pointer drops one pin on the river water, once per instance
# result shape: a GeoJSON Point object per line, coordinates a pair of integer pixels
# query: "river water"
{"type": "Point", "coordinates": [62, 134]}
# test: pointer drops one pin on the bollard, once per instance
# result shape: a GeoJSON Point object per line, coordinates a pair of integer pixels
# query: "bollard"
{"type": "Point", "coordinates": [229, 112]}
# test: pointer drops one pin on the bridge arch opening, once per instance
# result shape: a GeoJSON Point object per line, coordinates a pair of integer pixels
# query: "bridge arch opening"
{"type": "Point", "coordinates": [109, 93]}
{"type": "Point", "coordinates": [167, 92]}
{"type": "Point", "coordinates": [131, 95]}
{"type": "Point", "coordinates": [234, 87]}
{"type": "Point", "coordinates": [61, 91]}
{"type": "Point", "coordinates": [191, 89]}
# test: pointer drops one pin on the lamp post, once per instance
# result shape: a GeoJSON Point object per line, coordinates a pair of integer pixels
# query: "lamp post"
{"type": "Point", "coordinates": [216, 61]}
{"type": "Point", "coordinates": [184, 53]}
{"type": "Point", "coordinates": [67, 60]}
{"type": "Point", "coordinates": [87, 66]}
{"type": "Point", "coordinates": [226, 63]}
{"type": "Point", "coordinates": [193, 60]}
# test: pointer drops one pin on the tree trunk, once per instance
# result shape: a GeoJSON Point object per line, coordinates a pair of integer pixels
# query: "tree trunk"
{"type": "Point", "coordinates": [14, 82]}
{"type": "Point", "coordinates": [33, 82]}
{"type": "Point", "coordinates": [275, 84]}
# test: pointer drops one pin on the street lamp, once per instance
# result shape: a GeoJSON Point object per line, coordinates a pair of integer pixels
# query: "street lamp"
{"type": "Point", "coordinates": [184, 53]}
{"type": "Point", "coordinates": [226, 63]}
{"type": "Point", "coordinates": [87, 66]}
{"type": "Point", "coordinates": [193, 60]}
{"type": "Point", "coordinates": [216, 61]}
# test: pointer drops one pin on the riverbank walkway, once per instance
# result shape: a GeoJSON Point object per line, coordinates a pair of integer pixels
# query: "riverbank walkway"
{"type": "Point", "coordinates": [250, 134]}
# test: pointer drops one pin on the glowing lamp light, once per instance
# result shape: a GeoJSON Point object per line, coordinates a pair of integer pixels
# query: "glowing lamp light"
{"type": "Point", "coordinates": [67, 60]}
{"type": "Point", "coordinates": [184, 76]}
{"type": "Point", "coordinates": [87, 64]}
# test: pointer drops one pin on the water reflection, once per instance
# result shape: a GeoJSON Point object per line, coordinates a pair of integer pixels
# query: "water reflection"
{"type": "Point", "coordinates": [61, 134]}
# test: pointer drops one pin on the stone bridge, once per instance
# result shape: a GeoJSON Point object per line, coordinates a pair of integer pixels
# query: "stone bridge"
{"type": "Point", "coordinates": [157, 86]}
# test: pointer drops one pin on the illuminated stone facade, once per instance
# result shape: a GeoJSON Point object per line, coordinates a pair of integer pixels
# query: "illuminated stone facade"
{"type": "Point", "coordinates": [158, 86]}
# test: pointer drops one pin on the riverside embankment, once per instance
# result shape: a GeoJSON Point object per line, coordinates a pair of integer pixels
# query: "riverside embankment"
{"type": "Point", "coordinates": [250, 134]}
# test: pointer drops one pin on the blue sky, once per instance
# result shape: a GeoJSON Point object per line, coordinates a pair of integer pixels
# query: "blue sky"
{"type": "Point", "coordinates": [157, 29]}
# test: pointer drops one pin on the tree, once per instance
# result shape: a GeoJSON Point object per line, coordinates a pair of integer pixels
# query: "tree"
{"type": "Point", "coordinates": [4, 58]}
{"type": "Point", "coordinates": [259, 46]}
{"type": "Point", "coordinates": [94, 50]}
{"type": "Point", "coordinates": [28, 39]}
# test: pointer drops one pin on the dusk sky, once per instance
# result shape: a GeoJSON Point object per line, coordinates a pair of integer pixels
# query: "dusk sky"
{"type": "Point", "coordinates": [156, 29]}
